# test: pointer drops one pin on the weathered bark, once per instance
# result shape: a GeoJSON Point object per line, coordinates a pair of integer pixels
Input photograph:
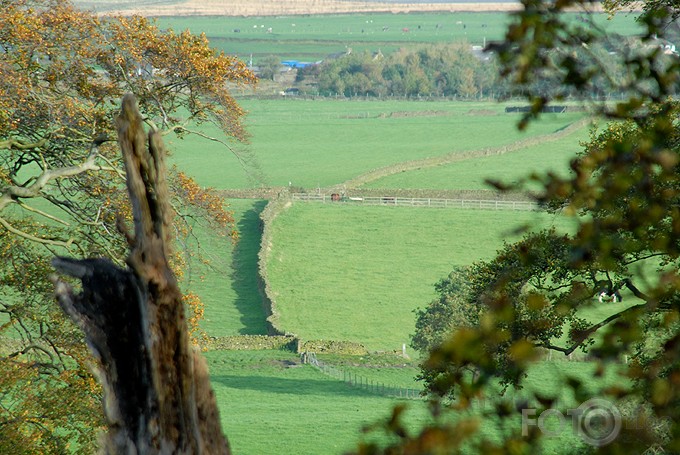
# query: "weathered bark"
{"type": "Point", "coordinates": [158, 398]}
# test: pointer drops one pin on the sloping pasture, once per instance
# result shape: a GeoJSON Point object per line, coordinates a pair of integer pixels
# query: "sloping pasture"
{"type": "Point", "coordinates": [224, 275]}
{"type": "Point", "coordinates": [312, 143]}
{"type": "Point", "coordinates": [271, 404]}
{"type": "Point", "coordinates": [342, 272]}
{"type": "Point", "coordinates": [470, 174]}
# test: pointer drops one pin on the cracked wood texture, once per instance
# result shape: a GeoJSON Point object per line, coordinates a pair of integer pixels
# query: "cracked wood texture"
{"type": "Point", "coordinates": [157, 394]}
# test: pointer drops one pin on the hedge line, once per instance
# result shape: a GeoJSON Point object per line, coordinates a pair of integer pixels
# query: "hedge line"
{"type": "Point", "coordinates": [282, 342]}
{"type": "Point", "coordinates": [332, 347]}
{"type": "Point", "coordinates": [251, 343]}
{"type": "Point", "coordinates": [270, 212]}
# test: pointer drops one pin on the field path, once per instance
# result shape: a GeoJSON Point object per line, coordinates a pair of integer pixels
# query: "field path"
{"type": "Point", "coordinates": [454, 157]}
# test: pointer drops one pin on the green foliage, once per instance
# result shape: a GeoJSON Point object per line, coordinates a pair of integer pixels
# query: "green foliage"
{"type": "Point", "coordinates": [269, 67]}
{"type": "Point", "coordinates": [539, 293]}
{"type": "Point", "coordinates": [442, 315]}
{"type": "Point", "coordinates": [623, 190]}
{"type": "Point", "coordinates": [443, 70]}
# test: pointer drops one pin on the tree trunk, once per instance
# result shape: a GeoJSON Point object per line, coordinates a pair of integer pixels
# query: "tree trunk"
{"type": "Point", "coordinates": [157, 394]}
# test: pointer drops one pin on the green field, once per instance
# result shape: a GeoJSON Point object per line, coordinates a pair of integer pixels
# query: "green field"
{"type": "Point", "coordinates": [269, 392]}
{"type": "Point", "coordinates": [226, 277]}
{"type": "Point", "coordinates": [271, 405]}
{"type": "Point", "coordinates": [510, 167]}
{"type": "Point", "coordinates": [313, 38]}
{"type": "Point", "coordinates": [357, 273]}
{"type": "Point", "coordinates": [319, 143]}
{"type": "Point", "coordinates": [353, 273]}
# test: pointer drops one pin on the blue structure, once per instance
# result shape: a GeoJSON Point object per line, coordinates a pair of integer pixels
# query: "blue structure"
{"type": "Point", "coordinates": [297, 64]}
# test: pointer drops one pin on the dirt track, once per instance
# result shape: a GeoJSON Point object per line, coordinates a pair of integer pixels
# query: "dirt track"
{"type": "Point", "coordinates": [297, 7]}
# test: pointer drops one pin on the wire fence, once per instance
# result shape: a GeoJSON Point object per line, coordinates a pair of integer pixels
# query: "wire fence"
{"type": "Point", "coordinates": [362, 382]}
{"type": "Point", "coordinates": [483, 204]}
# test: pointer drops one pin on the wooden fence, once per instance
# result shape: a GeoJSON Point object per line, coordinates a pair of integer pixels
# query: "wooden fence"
{"type": "Point", "coordinates": [418, 202]}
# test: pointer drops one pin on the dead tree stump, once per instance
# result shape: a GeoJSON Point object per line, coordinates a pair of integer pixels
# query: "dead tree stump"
{"type": "Point", "coordinates": [157, 394]}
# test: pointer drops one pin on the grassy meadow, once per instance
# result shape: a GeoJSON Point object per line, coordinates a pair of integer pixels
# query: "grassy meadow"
{"type": "Point", "coordinates": [319, 143]}
{"type": "Point", "coordinates": [266, 393]}
{"type": "Point", "coordinates": [224, 275]}
{"type": "Point", "coordinates": [357, 273]}
{"type": "Point", "coordinates": [549, 155]}
{"type": "Point", "coordinates": [352, 273]}
{"type": "Point", "coordinates": [261, 393]}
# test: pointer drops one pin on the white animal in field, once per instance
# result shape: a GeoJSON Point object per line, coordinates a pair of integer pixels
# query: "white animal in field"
{"type": "Point", "coordinates": [606, 296]}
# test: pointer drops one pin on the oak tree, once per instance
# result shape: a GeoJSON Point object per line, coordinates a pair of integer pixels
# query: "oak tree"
{"type": "Point", "coordinates": [623, 192]}
{"type": "Point", "coordinates": [62, 74]}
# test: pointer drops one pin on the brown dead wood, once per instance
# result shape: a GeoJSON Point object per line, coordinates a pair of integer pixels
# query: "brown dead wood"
{"type": "Point", "coordinates": [157, 394]}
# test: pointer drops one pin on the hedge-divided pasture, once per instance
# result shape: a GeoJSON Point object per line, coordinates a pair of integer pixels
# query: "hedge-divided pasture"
{"type": "Point", "coordinates": [340, 272]}
{"type": "Point", "coordinates": [320, 143]}
{"type": "Point", "coordinates": [470, 174]}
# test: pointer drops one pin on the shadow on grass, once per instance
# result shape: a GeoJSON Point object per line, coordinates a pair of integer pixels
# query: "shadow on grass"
{"type": "Point", "coordinates": [244, 276]}
{"type": "Point", "coordinates": [273, 384]}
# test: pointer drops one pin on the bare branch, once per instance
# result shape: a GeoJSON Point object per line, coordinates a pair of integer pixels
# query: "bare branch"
{"type": "Point", "coordinates": [583, 335]}
{"type": "Point", "coordinates": [27, 207]}
{"type": "Point", "coordinates": [16, 144]}
{"type": "Point", "coordinates": [12, 193]}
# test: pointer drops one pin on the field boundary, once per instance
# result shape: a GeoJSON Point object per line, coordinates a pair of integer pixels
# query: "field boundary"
{"type": "Point", "coordinates": [284, 201]}
{"type": "Point", "coordinates": [454, 157]}
{"type": "Point", "coordinates": [362, 382]}
{"type": "Point", "coordinates": [481, 204]}
{"type": "Point", "coordinates": [273, 209]}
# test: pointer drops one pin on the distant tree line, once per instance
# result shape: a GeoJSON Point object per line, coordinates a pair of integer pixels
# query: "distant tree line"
{"type": "Point", "coordinates": [451, 70]}
{"type": "Point", "coordinates": [457, 70]}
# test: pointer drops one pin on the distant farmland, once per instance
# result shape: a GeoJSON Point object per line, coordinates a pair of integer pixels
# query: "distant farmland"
{"type": "Point", "coordinates": [313, 37]}
{"type": "Point", "coordinates": [280, 7]}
